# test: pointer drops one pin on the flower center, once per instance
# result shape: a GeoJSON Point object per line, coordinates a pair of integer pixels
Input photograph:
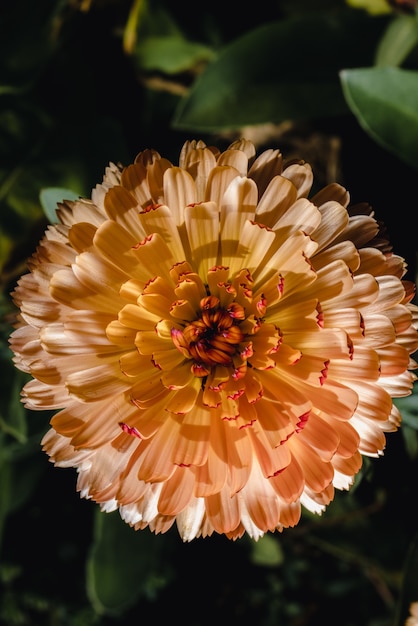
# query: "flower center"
{"type": "Point", "coordinates": [213, 338]}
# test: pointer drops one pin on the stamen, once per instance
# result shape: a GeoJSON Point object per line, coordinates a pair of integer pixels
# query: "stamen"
{"type": "Point", "coordinates": [130, 430]}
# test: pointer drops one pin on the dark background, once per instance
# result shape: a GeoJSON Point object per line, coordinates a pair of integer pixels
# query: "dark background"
{"type": "Point", "coordinates": [72, 100]}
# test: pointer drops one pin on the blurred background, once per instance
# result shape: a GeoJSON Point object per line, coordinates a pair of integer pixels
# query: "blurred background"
{"type": "Point", "coordinates": [88, 82]}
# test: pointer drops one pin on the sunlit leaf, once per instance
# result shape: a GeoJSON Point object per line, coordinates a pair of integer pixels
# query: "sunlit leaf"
{"type": "Point", "coordinates": [385, 103]}
{"type": "Point", "coordinates": [286, 70]}
{"type": "Point", "coordinates": [374, 7]}
{"type": "Point", "coordinates": [157, 43]}
{"type": "Point", "coordinates": [50, 197]}
{"type": "Point", "coordinates": [171, 55]}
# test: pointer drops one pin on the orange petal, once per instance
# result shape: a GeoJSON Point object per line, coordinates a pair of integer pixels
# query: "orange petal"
{"type": "Point", "coordinates": [176, 492]}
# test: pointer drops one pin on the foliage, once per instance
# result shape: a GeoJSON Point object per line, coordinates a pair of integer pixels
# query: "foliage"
{"type": "Point", "coordinates": [85, 82]}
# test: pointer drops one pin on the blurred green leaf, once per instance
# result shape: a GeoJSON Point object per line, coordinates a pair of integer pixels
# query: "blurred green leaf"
{"type": "Point", "coordinates": [16, 417]}
{"type": "Point", "coordinates": [409, 585]}
{"type": "Point", "coordinates": [399, 39]}
{"type": "Point", "coordinates": [157, 43]}
{"type": "Point", "coordinates": [171, 54]}
{"type": "Point", "coordinates": [28, 33]}
{"type": "Point", "coordinates": [38, 156]}
{"type": "Point", "coordinates": [410, 437]}
{"type": "Point", "coordinates": [287, 70]}
{"type": "Point", "coordinates": [374, 7]}
{"type": "Point", "coordinates": [23, 130]}
{"type": "Point", "coordinates": [267, 551]}
{"type": "Point", "coordinates": [124, 565]}
{"type": "Point", "coordinates": [151, 18]}
{"type": "Point", "coordinates": [408, 407]}
{"type": "Point", "coordinates": [5, 248]}
{"type": "Point", "coordinates": [50, 197]}
{"type": "Point", "coordinates": [20, 471]}
{"type": "Point", "coordinates": [385, 103]}
{"type": "Point", "coordinates": [6, 490]}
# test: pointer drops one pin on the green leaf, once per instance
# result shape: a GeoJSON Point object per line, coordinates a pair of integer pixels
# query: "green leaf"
{"type": "Point", "coordinates": [385, 103]}
{"type": "Point", "coordinates": [282, 71]}
{"type": "Point", "coordinates": [267, 552]}
{"type": "Point", "coordinates": [20, 471]}
{"type": "Point", "coordinates": [398, 41]}
{"type": "Point", "coordinates": [171, 54]}
{"type": "Point", "coordinates": [408, 406]}
{"type": "Point", "coordinates": [6, 246]}
{"type": "Point", "coordinates": [158, 44]}
{"type": "Point", "coordinates": [124, 564]}
{"type": "Point", "coordinates": [374, 7]}
{"type": "Point", "coordinates": [27, 39]}
{"type": "Point", "coordinates": [50, 197]}
{"type": "Point", "coordinates": [409, 587]}
{"type": "Point", "coordinates": [16, 424]}
{"type": "Point", "coordinates": [6, 491]}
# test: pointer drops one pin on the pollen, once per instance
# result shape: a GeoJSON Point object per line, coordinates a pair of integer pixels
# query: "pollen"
{"type": "Point", "coordinates": [213, 338]}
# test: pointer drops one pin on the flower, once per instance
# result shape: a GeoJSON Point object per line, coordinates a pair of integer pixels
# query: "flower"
{"type": "Point", "coordinates": [412, 619]}
{"type": "Point", "coordinates": [220, 349]}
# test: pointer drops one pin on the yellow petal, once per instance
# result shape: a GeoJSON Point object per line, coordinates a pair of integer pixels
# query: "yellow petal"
{"type": "Point", "coordinates": [249, 252]}
{"type": "Point", "coordinates": [184, 400]}
{"type": "Point", "coordinates": [202, 224]}
{"type": "Point", "coordinates": [334, 219]}
{"type": "Point", "coordinates": [155, 257]}
{"type": "Point", "coordinates": [122, 207]}
{"type": "Point", "coordinates": [159, 219]}
{"type": "Point", "coordinates": [237, 206]}
{"type": "Point", "coordinates": [332, 191]}
{"type": "Point", "coordinates": [115, 244]}
{"type": "Point", "coordinates": [237, 159]}
{"type": "Point", "coordinates": [266, 166]}
{"type": "Point", "coordinates": [69, 290]}
{"type": "Point", "coordinates": [179, 191]}
{"type": "Point", "coordinates": [96, 383]}
{"type": "Point", "coordinates": [345, 250]}
{"type": "Point", "coordinates": [218, 181]}
{"type": "Point", "coordinates": [275, 201]}
{"type": "Point", "coordinates": [301, 176]}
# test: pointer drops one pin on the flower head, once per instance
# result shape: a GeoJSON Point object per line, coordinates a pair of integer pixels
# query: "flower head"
{"type": "Point", "coordinates": [219, 348]}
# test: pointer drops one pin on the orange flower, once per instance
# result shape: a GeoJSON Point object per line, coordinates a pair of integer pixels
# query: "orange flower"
{"type": "Point", "coordinates": [219, 348]}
